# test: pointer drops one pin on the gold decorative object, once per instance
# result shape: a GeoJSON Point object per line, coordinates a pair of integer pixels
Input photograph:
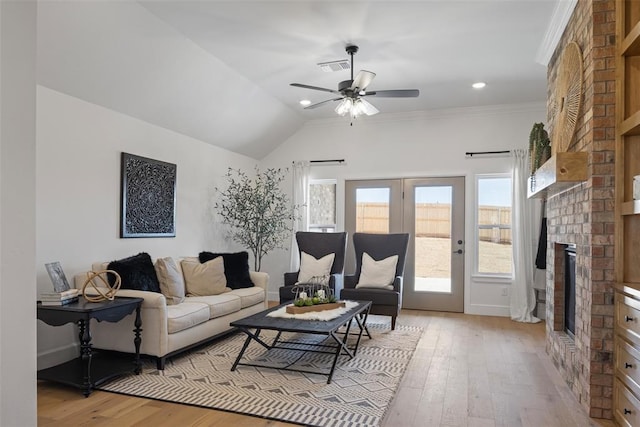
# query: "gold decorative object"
{"type": "Point", "coordinates": [568, 97]}
{"type": "Point", "coordinates": [102, 295]}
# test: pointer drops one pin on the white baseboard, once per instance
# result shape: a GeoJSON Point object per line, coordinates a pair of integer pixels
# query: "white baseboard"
{"type": "Point", "coordinates": [488, 310]}
{"type": "Point", "coordinates": [57, 355]}
{"type": "Point", "coordinates": [273, 296]}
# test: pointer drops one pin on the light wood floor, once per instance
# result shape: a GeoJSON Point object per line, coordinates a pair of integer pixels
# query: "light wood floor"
{"type": "Point", "coordinates": [467, 371]}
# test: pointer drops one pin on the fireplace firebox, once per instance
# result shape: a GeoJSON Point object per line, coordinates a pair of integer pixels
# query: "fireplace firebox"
{"type": "Point", "coordinates": [570, 290]}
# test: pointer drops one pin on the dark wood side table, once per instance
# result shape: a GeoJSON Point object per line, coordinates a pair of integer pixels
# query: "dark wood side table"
{"type": "Point", "coordinates": [89, 369]}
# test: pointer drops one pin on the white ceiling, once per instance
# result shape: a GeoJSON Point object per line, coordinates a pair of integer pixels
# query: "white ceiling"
{"type": "Point", "coordinates": [219, 71]}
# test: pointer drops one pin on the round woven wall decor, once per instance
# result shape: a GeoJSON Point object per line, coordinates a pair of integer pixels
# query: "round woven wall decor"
{"type": "Point", "coordinates": [568, 97]}
{"type": "Point", "coordinates": [105, 292]}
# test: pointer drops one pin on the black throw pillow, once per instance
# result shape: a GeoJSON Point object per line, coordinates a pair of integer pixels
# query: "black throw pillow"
{"type": "Point", "coordinates": [236, 268]}
{"type": "Point", "coordinates": [137, 272]}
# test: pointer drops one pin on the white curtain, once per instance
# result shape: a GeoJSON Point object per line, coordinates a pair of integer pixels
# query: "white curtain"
{"type": "Point", "coordinates": [301, 200]}
{"type": "Point", "coordinates": [522, 295]}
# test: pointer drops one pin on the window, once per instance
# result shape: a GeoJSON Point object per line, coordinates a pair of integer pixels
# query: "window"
{"type": "Point", "coordinates": [493, 225]}
{"type": "Point", "coordinates": [322, 206]}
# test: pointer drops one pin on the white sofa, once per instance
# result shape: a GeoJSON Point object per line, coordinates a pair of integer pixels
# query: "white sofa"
{"type": "Point", "coordinates": [170, 329]}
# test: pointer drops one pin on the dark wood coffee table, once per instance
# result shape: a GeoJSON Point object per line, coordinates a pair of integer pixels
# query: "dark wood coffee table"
{"type": "Point", "coordinates": [255, 324]}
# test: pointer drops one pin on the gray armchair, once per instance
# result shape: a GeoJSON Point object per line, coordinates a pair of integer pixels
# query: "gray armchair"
{"type": "Point", "coordinates": [318, 245]}
{"type": "Point", "coordinates": [378, 246]}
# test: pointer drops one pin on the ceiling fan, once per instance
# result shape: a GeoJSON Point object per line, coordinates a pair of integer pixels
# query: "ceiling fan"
{"type": "Point", "coordinates": [353, 91]}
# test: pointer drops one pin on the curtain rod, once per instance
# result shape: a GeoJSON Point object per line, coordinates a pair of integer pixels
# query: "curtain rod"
{"type": "Point", "coordinates": [324, 161]}
{"type": "Point", "coordinates": [476, 153]}
{"type": "Point", "coordinates": [327, 161]}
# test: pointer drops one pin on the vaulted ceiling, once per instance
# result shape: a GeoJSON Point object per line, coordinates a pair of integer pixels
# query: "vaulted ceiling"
{"type": "Point", "coordinates": [219, 71]}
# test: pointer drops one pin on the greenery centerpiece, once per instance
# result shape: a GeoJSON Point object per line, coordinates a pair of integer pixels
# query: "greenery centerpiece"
{"type": "Point", "coordinates": [314, 296]}
{"type": "Point", "coordinates": [317, 291]}
{"type": "Point", "coordinates": [257, 211]}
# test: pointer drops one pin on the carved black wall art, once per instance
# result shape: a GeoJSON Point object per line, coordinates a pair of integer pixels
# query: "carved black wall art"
{"type": "Point", "coordinates": [148, 197]}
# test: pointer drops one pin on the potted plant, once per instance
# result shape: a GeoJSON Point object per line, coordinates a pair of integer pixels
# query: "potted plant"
{"type": "Point", "coordinates": [257, 211]}
{"type": "Point", "coordinates": [539, 146]}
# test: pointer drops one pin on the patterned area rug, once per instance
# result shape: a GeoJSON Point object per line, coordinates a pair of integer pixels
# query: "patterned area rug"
{"type": "Point", "coordinates": [359, 394]}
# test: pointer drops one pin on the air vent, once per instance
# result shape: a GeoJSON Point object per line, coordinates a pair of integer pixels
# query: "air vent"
{"type": "Point", "coordinates": [330, 67]}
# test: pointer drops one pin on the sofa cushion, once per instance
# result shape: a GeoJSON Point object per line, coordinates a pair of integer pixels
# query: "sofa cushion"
{"type": "Point", "coordinates": [204, 279]}
{"type": "Point", "coordinates": [171, 281]}
{"type": "Point", "coordinates": [219, 305]}
{"type": "Point", "coordinates": [380, 296]}
{"type": "Point", "coordinates": [137, 272]}
{"type": "Point", "coordinates": [236, 268]}
{"type": "Point", "coordinates": [249, 296]}
{"type": "Point", "coordinates": [186, 315]}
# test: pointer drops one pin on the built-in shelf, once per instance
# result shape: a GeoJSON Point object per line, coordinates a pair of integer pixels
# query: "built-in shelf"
{"type": "Point", "coordinates": [630, 208]}
{"type": "Point", "coordinates": [631, 43]}
{"type": "Point", "coordinates": [560, 172]}
{"type": "Point", "coordinates": [631, 126]}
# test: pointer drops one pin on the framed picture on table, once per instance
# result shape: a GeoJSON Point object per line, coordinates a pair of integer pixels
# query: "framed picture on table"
{"type": "Point", "coordinates": [57, 276]}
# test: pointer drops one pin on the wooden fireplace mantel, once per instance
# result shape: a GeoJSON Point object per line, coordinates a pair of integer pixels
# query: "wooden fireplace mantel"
{"type": "Point", "coordinates": [560, 172]}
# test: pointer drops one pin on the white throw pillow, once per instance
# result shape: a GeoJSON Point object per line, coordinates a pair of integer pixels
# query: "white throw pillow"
{"type": "Point", "coordinates": [377, 274]}
{"type": "Point", "coordinates": [310, 266]}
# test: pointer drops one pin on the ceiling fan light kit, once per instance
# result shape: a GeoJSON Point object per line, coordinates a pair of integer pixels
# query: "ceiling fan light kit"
{"type": "Point", "coordinates": [352, 91]}
{"type": "Point", "coordinates": [356, 108]}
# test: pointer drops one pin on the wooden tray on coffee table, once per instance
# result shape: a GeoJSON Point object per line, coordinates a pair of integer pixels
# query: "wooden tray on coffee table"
{"type": "Point", "coordinates": [292, 309]}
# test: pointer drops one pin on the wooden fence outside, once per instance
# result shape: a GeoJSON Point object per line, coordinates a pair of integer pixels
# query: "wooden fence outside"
{"type": "Point", "coordinates": [434, 220]}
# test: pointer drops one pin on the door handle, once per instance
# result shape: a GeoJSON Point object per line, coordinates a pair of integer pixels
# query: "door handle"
{"type": "Point", "coordinates": [459, 251]}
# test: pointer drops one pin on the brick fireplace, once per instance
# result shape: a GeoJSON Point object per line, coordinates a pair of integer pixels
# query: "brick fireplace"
{"type": "Point", "coordinates": [583, 215]}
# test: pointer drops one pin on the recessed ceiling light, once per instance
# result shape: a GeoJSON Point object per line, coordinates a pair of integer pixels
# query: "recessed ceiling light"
{"type": "Point", "coordinates": [305, 102]}
{"type": "Point", "coordinates": [478, 85]}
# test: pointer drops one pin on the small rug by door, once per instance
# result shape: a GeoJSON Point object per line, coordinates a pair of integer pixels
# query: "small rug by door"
{"type": "Point", "coordinates": [359, 394]}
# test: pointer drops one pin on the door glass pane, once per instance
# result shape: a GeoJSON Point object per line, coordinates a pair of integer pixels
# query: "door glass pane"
{"type": "Point", "coordinates": [372, 210]}
{"type": "Point", "coordinates": [433, 239]}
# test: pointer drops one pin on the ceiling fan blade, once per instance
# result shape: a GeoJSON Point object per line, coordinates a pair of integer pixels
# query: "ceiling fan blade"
{"type": "Point", "coordinates": [399, 93]}
{"type": "Point", "coordinates": [321, 103]}
{"type": "Point", "coordinates": [362, 80]}
{"type": "Point", "coordinates": [314, 88]}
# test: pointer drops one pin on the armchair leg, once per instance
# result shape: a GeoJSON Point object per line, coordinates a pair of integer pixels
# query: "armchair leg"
{"type": "Point", "coordinates": [393, 323]}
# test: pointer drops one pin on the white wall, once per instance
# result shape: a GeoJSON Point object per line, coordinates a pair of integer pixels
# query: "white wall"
{"type": "Point", "coordinates": [425, 144]}
{"type": "Point", "coordinates": [78, 194]}
{"type": "Point", "coordinates": [17, 213]}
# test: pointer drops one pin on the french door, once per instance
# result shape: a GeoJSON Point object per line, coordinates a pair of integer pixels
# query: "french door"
{"type": "Point", "coordinates": [431, 210]}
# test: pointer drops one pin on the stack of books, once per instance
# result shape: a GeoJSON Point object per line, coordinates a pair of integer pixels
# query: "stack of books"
{"type": "Point", "coordinates": [59, 298]}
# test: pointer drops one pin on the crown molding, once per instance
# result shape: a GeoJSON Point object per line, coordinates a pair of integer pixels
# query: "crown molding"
{"type": "Point", "coordinates": [559, 20]}
{"type": "Point", "coordinates": [478, 111]}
